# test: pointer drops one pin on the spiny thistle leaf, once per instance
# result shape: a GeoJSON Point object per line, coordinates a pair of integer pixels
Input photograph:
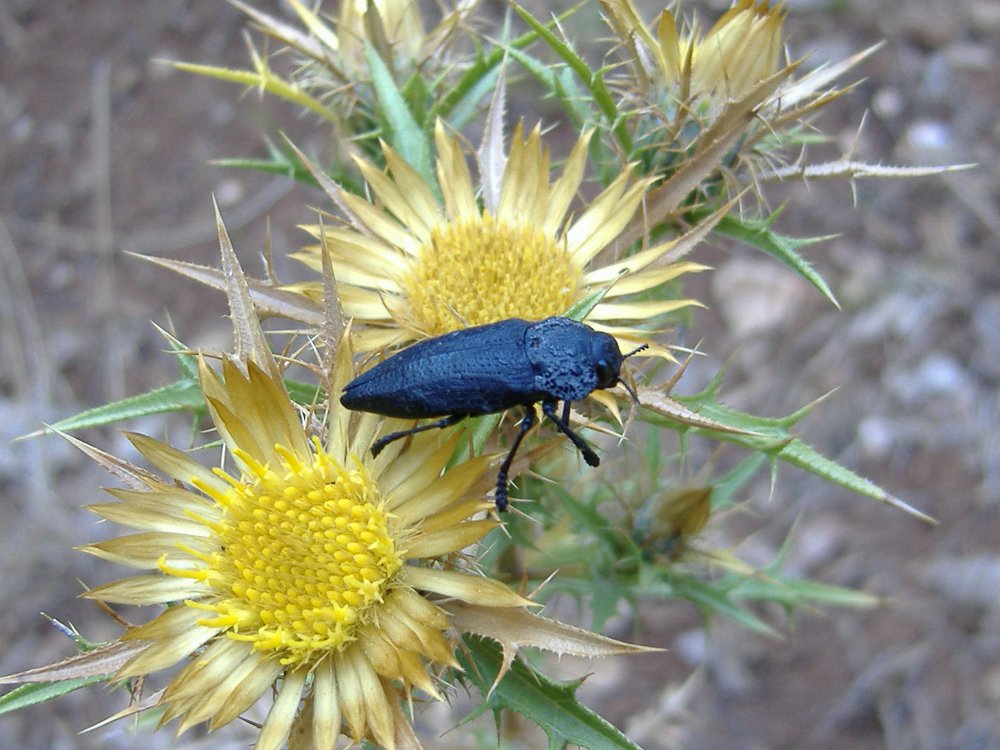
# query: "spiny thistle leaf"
{"type": "Point", "coordinates": [400, 128]}
{"type": "Point", "coordinates": [491, 156]}
{"type": "Point", "coordinates": [181, 395]}
{"type": "Point", "coordinates": [249, 343]}
{"type": "Point", "coordinates": [283, 162]}
{"type": "Point", "coordinates": [459, 104]}
{"type": "Point", "coordinates": [264, 80]}
{"type": "Point", "coordinates": [480, 429]}
{"type": "Point", "coordinates": [30, 695]}
{"type": "Point", "coordinates": [561, 87]}
{"type": "Point", "coordinates": [98, 663]}
{"type": "Point", "coordinates": [711, 148]}
{"type": "Point", "coordinates": [516, 628]}
{"type": "Point", "coordinates": [774, 439]}
{"type": "Point", "coordinates": [795, 593]}
{"type": "Point", "coordinates": [583, 307]}
{"type": "Point", "coordinates": [822, 78]}
{"type": "Point", "coordinates": [150, 704]}
{"type": "Point", "coordinates": [798, 453]}
{"type": "Point", "coordinates": [847, 169]}
{"type": "Point", "coordinates": [326, 37]}
{"type": "Point", "coordinates": [267, 299]}
{"type": "Point", "coordinates": [551, 705]}
{"type": "Point", "coordinates": [758, 233]}
{"type": "Point", "coordinates": [678, 413]}
{"type": "Point", "coordinates": [727, 487]}
{"type": "Point", "coordinates": [709, 597]}
{"type": "Point", "coordinates": [307, 44]}
{"type": "Point", "coordinates": [54, 680]}
{"type": "Point", "coordinates": [593, 80]}
{"type": "Point", "coordinates": [466, 98]}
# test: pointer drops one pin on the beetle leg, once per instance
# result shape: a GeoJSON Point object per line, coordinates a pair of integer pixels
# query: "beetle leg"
{"type": "Point", "coordinates": [565, 414]}
{"type": "Point", "coordinates": [501, 497]}
{"type": "Point", "coordinates": [549, 409]}
{"type": "Point", "coordinates": [383, 441]}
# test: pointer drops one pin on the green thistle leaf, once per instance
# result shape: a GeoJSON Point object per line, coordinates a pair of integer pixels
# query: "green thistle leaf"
{"type": "Point", "coordinates": [182, 395]}
{"type": "Point", "coordinates": [771, 436]}
{"type": "Point", "coordinates": [399, 126]}
{"type": "Point", "coordinates": [40, 692]}
{"type": "Point", "coordinates": [592, 80]}
{"type": "Point", "coordinates": [553, 706]}
{"type": "Point", "coordinates": [758, 233]}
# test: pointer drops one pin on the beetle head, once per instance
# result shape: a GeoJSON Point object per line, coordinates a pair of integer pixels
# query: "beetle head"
{"type": "Point", "coordinates": [608, 360]}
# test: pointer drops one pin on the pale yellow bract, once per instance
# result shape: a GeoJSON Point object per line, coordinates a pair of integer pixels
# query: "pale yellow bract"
{"type": "Point", "coordinates": [411, 265]}
{"type": "Point", "coordinates": [399, 20]}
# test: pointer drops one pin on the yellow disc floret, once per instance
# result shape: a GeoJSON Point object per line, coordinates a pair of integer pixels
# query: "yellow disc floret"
{"type": "Point", "coordinates": [481, 271]}
{"type": "Point", "coordinates": [304, 551]}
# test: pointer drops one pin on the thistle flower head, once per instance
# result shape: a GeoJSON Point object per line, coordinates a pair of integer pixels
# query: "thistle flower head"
{"type": "Point", "coordinates": [742, 48]}
{"type": "Point", "coordinates": [331, 50]}
{"type": "Point", "coordinates": [308, 566]}
{"type": "Point", "coordinates": [412, 265]}
{"type": "Point", "coordinates": [396, 23]}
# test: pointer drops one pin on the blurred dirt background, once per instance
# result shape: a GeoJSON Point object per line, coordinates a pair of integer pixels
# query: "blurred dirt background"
{"type": "Point", "coordinates": [103, 151]}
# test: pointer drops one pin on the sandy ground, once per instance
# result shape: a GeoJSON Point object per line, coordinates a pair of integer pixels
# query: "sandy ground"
{"type": "Point", "coordinates": [103, 151]}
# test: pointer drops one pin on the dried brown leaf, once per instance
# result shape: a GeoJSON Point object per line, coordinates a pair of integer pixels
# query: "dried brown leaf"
{"type": "Point", "coordinates": [284, 32]}
{"type": "Point", "coordinates": [150, 701]}
{"type": "Point", "coordinates": [249, 343]}
{"type": "Point", "coordinates": [104, 660]}
{"type": "Point", "coordinates": [131, 476]}
{"type": "Point", "coordinates": [658, 401]}
{"type": "Point", "coordinates": [491, 158]}
{"type": "Point", "coordinates": [515, 628]}
{"type": "Point", "coordinates": [267, 299]}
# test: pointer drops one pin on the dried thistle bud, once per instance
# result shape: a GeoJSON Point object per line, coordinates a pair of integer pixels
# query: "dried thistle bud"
{"type": "Point", "coordinates": [669, 521]}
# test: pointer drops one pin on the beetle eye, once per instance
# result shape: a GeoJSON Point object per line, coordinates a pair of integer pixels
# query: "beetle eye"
{"type": "Point", "coordinates": [607, 360]}
{"type": "Point", "coordinates": [606, 375]}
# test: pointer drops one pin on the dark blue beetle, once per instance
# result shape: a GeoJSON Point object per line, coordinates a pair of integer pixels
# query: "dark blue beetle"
{"type": "Point", "coordinates": [490, 368]}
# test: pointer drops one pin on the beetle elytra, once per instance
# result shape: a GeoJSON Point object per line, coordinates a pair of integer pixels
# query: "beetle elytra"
{"type": "Point", "coordinates": [490, 368]}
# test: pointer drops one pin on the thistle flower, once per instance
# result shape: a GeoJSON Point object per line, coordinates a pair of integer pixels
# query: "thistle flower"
{"type": "Point", "coordinates": [394, 28]}
{"type": "Point", "coordinates": [717, 113]}
{"type": "Point", "coordinates": [330, 74]}
{"type": "Point", "coordinates": [742, 48]}
{"type": "Point", "coordinates": [398, 22]}
{"type": "Point", "coordinates": [411, 265]}
{"type": "Point", "coordinates": [301, 569]}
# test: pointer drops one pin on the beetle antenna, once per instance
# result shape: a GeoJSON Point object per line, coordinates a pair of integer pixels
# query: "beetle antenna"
{"type": "Point", "coordinates": [630, 389]}
{"type": "Point", "coordinates": [636, 350]}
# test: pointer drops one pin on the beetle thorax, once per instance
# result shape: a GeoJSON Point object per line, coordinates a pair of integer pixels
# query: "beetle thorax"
{"type": "Point", "coordinates": [482, 271]}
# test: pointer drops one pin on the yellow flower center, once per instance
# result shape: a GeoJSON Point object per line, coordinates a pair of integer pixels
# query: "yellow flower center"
{"type": "Point", "coordinates": [479, 272]}
{"type": "Point", "coordinates": [304, 553]}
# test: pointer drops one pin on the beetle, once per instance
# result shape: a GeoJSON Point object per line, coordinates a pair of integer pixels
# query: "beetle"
{"type": "Point", "coordinates": [488, 369]}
